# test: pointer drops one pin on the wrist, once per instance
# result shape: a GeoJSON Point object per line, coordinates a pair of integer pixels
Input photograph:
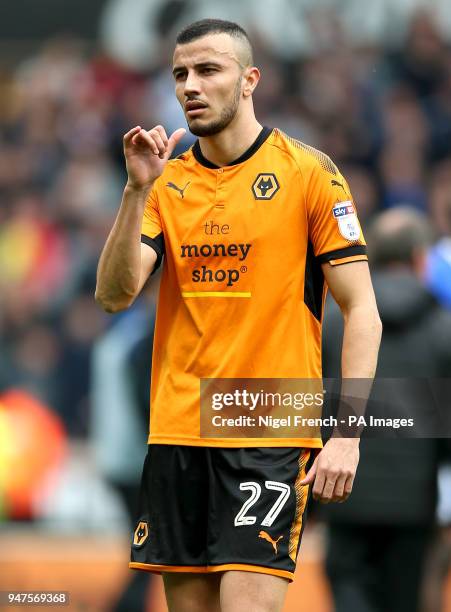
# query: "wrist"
{"type": "Point", "coordinates": [139, 190]}
{"type": "Point", "coordinates": [337, 436]}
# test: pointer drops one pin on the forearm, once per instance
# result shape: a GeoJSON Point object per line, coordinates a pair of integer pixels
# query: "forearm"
{"type": "Point", "coordinates": [361, 340]}
{"type": "Point", "coordinates": [119, 269]}
{"type": "Point", "coordinates": [334, 469]}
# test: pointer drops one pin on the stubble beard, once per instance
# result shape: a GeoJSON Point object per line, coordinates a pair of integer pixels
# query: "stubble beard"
{"type": "Point", "coordinates": [228, 114]}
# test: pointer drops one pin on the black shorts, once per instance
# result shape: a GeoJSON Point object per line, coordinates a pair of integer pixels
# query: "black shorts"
{"type": "Point", "coordinates": [217, 509]}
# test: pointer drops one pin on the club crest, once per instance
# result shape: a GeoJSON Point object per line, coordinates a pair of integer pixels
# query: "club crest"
{"type": "Point", "coordinates": [265, 186]}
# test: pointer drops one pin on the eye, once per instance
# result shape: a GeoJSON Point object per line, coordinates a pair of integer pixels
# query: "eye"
{"type": "Point", "coordinates": [208, 70]}
{"type": "Point", "coordinates": [180, 76]}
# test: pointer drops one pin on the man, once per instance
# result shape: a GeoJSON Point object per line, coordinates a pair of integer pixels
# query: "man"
{"type": "Point", "coordinates": [250, 224]}
{"type": "Point", "coordinates": [388, 522]}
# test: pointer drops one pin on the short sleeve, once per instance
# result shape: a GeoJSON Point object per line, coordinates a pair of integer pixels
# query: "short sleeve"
{"type": "Point", "coordinates": [151, 229]}
{"type": "Point", "coordinates": [334, 228]}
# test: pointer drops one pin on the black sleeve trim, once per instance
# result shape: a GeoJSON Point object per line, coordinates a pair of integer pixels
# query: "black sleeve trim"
{"type": "Point", "coordinates": [351, 251]}
{"type": "Point", "coordinates": [157, 245]}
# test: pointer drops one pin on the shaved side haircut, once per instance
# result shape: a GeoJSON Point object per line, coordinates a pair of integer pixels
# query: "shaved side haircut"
{"type": "Point", "coordinates": [204, 27]}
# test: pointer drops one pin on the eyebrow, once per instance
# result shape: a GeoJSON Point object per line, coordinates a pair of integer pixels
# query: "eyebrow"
{"type": "Point", "coordinates": [206, 64]}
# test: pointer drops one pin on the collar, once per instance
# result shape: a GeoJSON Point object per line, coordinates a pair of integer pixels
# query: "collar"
{"type": "Point", "coordinates": [265, 132]}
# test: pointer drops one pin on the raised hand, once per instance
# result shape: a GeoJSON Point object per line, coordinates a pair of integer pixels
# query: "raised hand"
{"type": "Point", "coordinates": [147, 152]}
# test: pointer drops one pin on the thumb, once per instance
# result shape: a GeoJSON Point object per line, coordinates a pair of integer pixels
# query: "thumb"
{"type": "Point", "coordinates": [310, 476]}
{"type": "Point", "coordinates": [174, 139]}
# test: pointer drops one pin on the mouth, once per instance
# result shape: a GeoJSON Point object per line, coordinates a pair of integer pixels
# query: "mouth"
{"type": "Point", "coordinates": [194, 108]}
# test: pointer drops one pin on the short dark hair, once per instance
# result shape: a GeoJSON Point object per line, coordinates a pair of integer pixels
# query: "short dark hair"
{"type": "Point", "coordinates": [201, 28]}
{"type": "Point", "coordinates": [396, 234]}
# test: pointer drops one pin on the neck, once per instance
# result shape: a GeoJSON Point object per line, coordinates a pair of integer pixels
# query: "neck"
{"type": "Point", "coordinates": [231, 143]}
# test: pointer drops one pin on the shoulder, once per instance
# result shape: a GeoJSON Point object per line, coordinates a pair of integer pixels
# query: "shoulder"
{"type": "Point", "coordinates": [304, 155]}
{"type": "Point", "coordinates": [181, 162]}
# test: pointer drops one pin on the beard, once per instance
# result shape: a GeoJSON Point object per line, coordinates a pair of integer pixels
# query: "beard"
{"type": "Point", "coordinates": [228, 113]}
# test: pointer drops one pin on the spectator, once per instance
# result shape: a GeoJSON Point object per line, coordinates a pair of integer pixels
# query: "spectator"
{"type": "Point", "coordinates": [379, 538]}
{"type": "Point", "coordinates": [438, 269]}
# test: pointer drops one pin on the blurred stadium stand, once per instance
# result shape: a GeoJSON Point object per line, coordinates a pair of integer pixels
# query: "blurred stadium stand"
{"type": "Point", "coordinates": [369, 84]}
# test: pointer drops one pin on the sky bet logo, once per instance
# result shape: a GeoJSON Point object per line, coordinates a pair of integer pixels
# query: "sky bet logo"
{"type": "Point", "coordinates": [205, 274]}
{"type": "Point", "coordinates": [342, 209]}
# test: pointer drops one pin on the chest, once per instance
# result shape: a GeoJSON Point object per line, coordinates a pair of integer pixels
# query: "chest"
{"type": "Point", "coordinates": [217, 213]}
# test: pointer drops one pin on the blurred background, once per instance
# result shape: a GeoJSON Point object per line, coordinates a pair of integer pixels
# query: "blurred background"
{"type": "Point", "coordinates": [367, 83]}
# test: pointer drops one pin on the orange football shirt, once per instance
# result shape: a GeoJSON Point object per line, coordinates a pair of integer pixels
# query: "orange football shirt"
{"type": "Point", "coordinates": [242, 290]}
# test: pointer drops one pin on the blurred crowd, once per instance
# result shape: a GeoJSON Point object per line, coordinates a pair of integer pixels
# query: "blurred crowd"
{"type": "Point", "coordinates": [380, 109]}
{"type": "Point", "coordinates": [371, 90]}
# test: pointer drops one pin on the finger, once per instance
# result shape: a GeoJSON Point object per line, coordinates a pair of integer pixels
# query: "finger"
{"type": "Point", "coordinates": [129, 135]}
{"type": "Point", "coordinates": [174, 139]}
{"type": "Point", "coordinates": [349, 484]}
{"type": "Point", "coordinates": [310, 476]}
{"type": "Point", "coordinates": [318, 487]}
{"type": "Point", "coordinates": [328, 489]}
{"type": "Point", "coordinates": [159, 142]}
{"type": "Point", "coordinates": [347, 489]}
{"type": "Point", "coordinates": [339, 490]}
{"type": "Point", "coordinates": [160, 129]}
{"type": "Point", "coordinates": [145, 138]}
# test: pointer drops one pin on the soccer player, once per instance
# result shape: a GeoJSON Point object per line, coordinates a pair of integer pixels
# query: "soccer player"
{"type": "Point", "coordinates": [252, 224]}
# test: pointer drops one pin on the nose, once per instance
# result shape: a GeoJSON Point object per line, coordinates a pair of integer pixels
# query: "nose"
{"type": "Point", "coordinates": [192, 84]}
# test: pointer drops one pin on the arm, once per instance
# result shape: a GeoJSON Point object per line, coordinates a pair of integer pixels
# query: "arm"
{"type": "Point", "coordinates": [350, 285]}
{"type": "Point", "coordinates": [125, 264]}
{"type": "Point", "coordinates": [334, 469]}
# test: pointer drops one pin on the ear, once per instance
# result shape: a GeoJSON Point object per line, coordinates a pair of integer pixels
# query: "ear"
{"type": "Point", "coordinates": [251, 77]}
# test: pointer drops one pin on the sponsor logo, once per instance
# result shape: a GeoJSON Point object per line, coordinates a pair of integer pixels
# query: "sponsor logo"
{"type": "Point", "coordinates": [340, 210]}
{"type": "Point", "coordinates": [265, 536]}
{"type": "Point", "coordinates": [181, 191]}
{"type": "Point", "coordinates": [348, 224]}
{"type": "Point", "coordinates": [216, 250]}
{"type": "Point", "coordinates": [265, 186]}
{"type": "Point", "coordinates": [335, 183]}
{"type": "Point", "coordinates": [141, 534]}
{"type": "Point", "coordinates": [204, 274]}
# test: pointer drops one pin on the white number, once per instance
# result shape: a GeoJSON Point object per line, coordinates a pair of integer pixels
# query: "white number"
{"type": "Point", "coordinates": [280, 502]}
{"type": "Point", "coordinates": [241, 518]}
